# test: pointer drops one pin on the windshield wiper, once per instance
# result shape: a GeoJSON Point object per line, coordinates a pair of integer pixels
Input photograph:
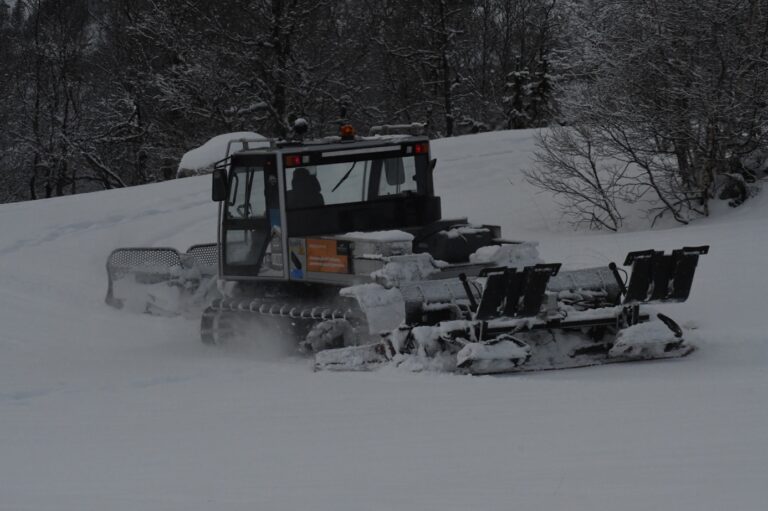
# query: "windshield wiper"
{"type": "Point", "coordinates": [344, 178]}
{"type": "Point", "coordinates": [248, 187]}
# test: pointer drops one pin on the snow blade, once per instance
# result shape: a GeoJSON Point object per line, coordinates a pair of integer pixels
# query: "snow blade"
{"type": "Point", "coordinates": [158, 280]}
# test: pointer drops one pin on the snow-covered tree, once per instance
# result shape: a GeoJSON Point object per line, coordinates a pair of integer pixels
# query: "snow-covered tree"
{"type": "Point", "coordinates": [51, 80]}
{"type": "Point", "coordinates": [677, 90]}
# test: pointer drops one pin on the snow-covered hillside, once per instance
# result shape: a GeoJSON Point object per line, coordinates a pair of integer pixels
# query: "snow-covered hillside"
{"type": "Point", "coordinates": [107, 410]}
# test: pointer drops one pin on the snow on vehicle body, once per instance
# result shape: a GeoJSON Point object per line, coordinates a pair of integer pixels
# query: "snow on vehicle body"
{"type": "Point", "coordinates": [343, 242]}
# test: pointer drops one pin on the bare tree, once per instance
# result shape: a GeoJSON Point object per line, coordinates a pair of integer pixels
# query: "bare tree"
{"type": "Point", "coordinates": [571, 165]}
{"type": "Point", "coordinates": [676, 89]}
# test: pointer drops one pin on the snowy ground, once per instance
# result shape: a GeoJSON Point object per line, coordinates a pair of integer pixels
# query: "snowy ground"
{"type": "Point", "coordinates": [103, 410]}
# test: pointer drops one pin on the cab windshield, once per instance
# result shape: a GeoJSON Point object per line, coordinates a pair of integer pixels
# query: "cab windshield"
{"type": "Point", "coordinates": [354, 181]}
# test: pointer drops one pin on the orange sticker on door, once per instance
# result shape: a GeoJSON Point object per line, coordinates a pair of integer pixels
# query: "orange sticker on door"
{"type": "Point", "coordinates": [328, 256]}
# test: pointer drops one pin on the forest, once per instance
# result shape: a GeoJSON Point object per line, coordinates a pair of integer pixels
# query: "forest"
{"type": "Point", "coordinates": [645, 100]}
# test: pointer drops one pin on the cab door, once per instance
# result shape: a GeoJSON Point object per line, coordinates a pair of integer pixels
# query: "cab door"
{"type": "Point", "coordinates": [251, 232]}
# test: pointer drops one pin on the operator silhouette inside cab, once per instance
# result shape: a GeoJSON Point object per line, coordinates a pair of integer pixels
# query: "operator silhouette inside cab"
{"type": "Point", "coordinates": [305, 190]}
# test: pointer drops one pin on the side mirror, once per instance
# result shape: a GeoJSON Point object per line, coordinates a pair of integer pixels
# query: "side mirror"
{"type": "Point", "coordinates": [432, 164]}
{"type": "Point", "coordinates": [219, 185]}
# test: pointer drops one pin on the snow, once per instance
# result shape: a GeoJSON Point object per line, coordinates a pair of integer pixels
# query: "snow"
{"type": "Point", "coordinates": [110, 410]}
{"type": "Point", "coordinates": [384, 308]}
{"type": "Point", "coordinates": [483, 352]}
{"type": "Point", "coordinates": [214, 150]}
{"type": "Point", "coordinates": [648, 338]}
{"type": "Point", "coordinates": [517, 255]}
{"type": "Point", "coordinates": [392, 236]}
{"type": "Point", "coordinates": [399, 270]}
{"type": "Point", "coordinates": [460, 232]}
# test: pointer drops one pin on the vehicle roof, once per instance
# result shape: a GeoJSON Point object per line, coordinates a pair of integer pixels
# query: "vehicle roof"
{"type": "Point", "coordinates": [335, 144]}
